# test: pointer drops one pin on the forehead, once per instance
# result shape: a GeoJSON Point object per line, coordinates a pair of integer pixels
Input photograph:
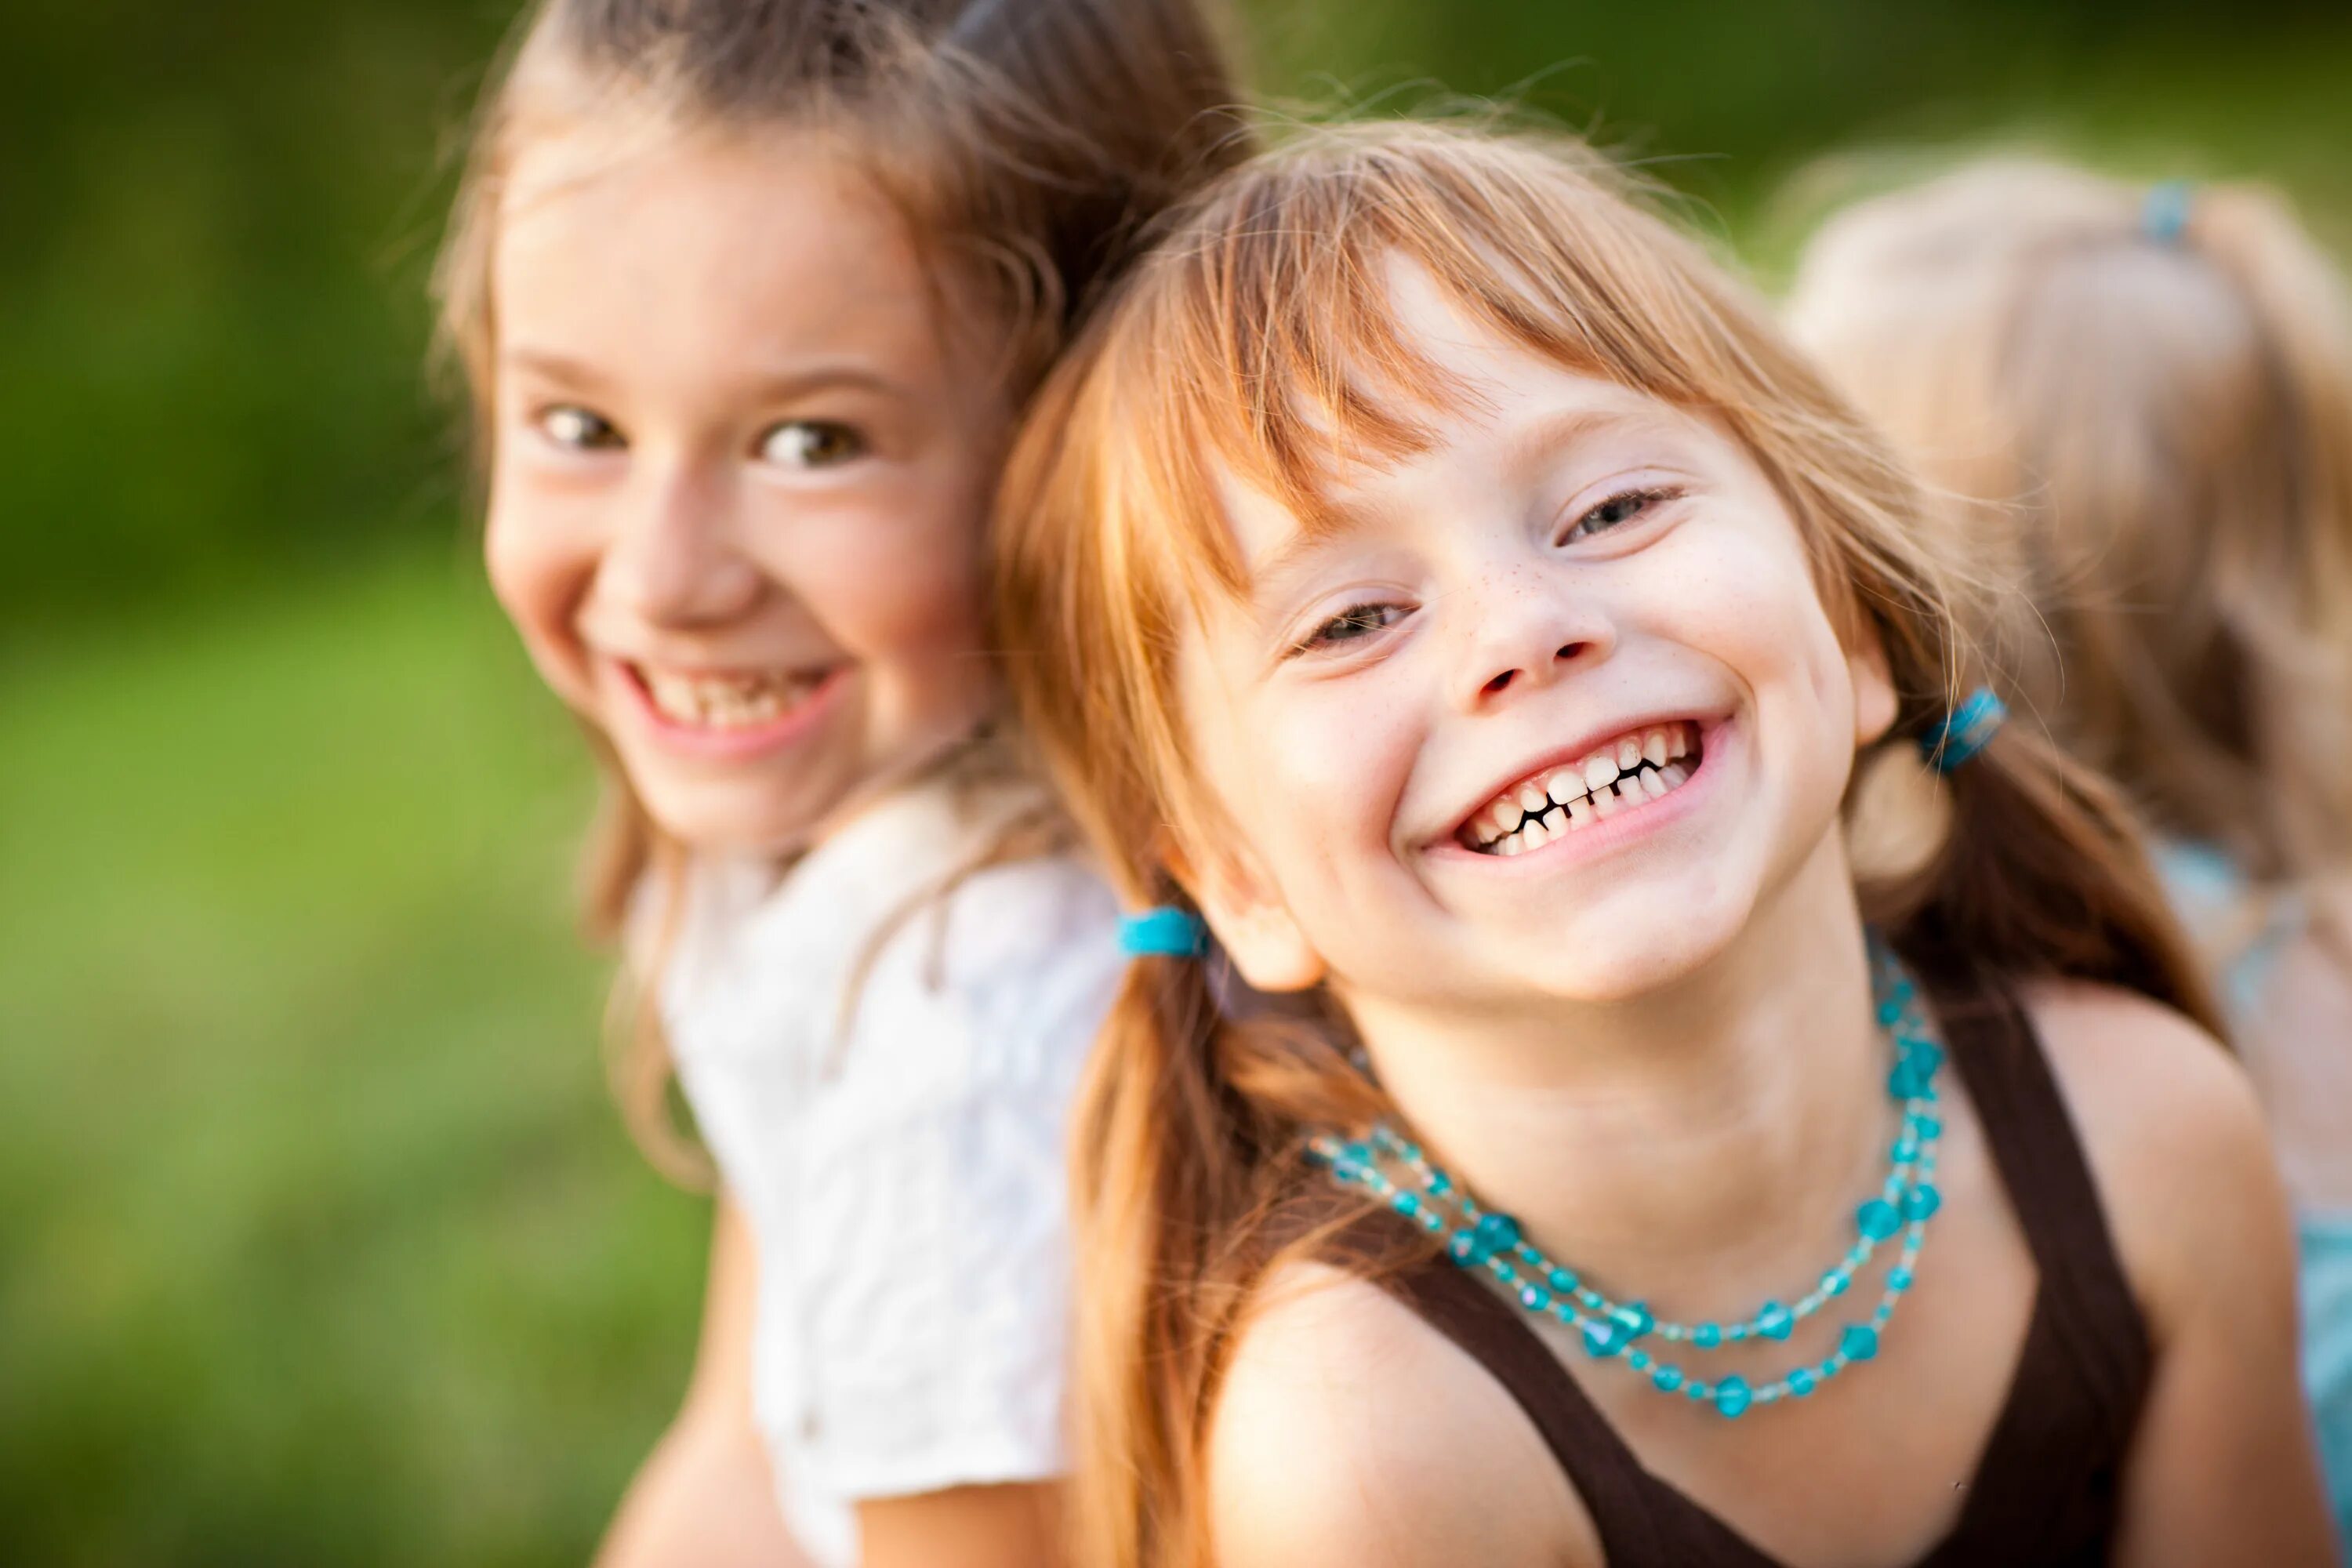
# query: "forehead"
{"type": "Point", "coordinates": [631, 240]}
{"type": "Point", "coordinates": [1488, 410]}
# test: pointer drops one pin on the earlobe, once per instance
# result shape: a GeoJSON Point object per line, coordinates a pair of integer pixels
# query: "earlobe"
{"type": "Point", "coordinates": [1251, 924]}
{"type": "Point", "coordinates": [1873, 688]}
{"type": "Point", "coordinates": [1269, 950]}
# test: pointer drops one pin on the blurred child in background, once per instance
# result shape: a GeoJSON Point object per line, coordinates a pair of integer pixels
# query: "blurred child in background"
{"type": "Point", "coordinates": [2140, 402]}
{"type": "Point", "coordinates": [750, 294]}
{"type": "Point", "coordinates": [1436, 576]}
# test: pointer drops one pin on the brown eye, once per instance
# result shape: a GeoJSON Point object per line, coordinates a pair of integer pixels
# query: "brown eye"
{"type": "Point", "coordinates": [576, 429]}
{"type": "Point", "coordinates": [811, 444]}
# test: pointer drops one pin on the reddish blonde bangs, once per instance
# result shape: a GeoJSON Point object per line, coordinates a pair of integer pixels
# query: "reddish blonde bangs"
{"type": "Point", "coordinates": [1261, 341]}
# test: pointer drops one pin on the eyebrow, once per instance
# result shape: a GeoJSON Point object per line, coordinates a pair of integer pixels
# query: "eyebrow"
{"type": "Point", "coordinates": [1519, 450]}
{"type": "Point", "coordinates": [782, 386]}
{"type": "Point", "coordinates": [1523, 447]}
{"type": "Point", "coordinates": [549, 363]}
{"type": "Point", "coordinates": [774, 386]}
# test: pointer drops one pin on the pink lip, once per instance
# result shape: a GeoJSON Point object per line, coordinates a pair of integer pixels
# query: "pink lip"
{"type": "Point", "coordinates": [732, 745]}
{"type": "Point", "coordinates": [1610, 833]}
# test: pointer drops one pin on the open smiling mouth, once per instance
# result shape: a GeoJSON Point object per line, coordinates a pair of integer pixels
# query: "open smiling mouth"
{"type": "Point", "coordinates": [734, 700]}
{"type": "Point", "coordinates": [1639, 766]}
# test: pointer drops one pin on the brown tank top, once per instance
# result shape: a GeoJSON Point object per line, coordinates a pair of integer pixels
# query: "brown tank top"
{"type": "Point", "coordinates": [2045, 1492]}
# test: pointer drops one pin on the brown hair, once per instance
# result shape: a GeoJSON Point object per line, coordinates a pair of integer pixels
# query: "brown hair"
{"type": "Point", "coordinates": [1259, 339]}
{"type": "Point", "coordinates": [1025, 141]}
{"type": "Point", "coordinates": [2142, 402]}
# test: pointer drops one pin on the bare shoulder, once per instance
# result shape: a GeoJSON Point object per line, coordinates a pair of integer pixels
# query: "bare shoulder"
{"type": "Point", "coordinates": [2132, 1068]}
{"type": "Point", "coordinates": [1348, 1432]}
{"type": "Point", "coordinates": [2176, 1142]}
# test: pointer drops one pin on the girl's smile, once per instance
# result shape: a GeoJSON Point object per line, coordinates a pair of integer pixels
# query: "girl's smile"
{"type": "Point", "coordinates": [1588, 801]}
{"type": "Point", "coordinates": [731, 714]}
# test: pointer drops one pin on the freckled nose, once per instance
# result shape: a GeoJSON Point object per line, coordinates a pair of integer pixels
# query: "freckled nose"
{"type": "Point", "coordinates": [1526, 631]}
{"type": "Point", "coordinates": [675, 560]}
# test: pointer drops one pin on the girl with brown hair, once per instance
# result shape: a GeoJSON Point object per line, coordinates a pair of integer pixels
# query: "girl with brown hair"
{"type": "Point", "coordinates": [750, 294]}
{"type": "Point", "coordinates": [1458, 617]}
{"type": "Point", "coordinates": [2140, 398]}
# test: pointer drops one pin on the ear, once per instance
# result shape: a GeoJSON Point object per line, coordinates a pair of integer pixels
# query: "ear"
{"type": "Point", "coordinates": [1874, 686]}
{"type": "Point", "coordinates": [1251, 921]}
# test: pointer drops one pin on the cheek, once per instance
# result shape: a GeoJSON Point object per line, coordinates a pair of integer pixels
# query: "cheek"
{"type": "Point", "coordinates": [1776, 637]}
{"type": "Point", "coordinates": [540, 569]}
{"type": "Point", "coordinates": [1317, 772]}
{"type": "Point", "coordinates": [890, 571]}
{"type": "Point", "coordinates": [1346, 749]}
{"type": "Point", "coordinates": [1746, 598]}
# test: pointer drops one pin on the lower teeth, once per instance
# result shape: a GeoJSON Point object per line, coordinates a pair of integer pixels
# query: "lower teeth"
{"type": "Point", "coordinates": [1643, 785]}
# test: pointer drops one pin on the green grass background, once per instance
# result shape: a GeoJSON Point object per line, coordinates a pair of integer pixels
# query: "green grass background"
{"type": "Point", "coordinates": [320, 1243]}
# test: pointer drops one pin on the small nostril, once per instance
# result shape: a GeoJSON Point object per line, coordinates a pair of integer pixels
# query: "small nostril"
{"type": "Point", "coordinates": [1499, 682]}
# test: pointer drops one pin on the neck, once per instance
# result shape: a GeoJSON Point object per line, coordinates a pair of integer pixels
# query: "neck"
{"type": "Point", "coordinates": [1724, 1124]}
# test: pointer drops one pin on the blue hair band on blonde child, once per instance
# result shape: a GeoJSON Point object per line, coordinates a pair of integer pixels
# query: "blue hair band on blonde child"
{"type": "Point", "coordinates": [1166, 931]}
{"type": "Point", "coordinates": [2164, 211]}
{"type": "Point", "coordinates": [1965, 731]}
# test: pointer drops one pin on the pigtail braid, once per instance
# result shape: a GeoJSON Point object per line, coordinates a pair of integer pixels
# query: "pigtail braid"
{"type": "Point", "coordinates": [1190, 1185]}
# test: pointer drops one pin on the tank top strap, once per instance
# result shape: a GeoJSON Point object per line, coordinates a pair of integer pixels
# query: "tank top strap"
{"type": "Point", "coordinates": [2092, 1315]}
{"type": "Point", "coordinates": [1638, 1518]}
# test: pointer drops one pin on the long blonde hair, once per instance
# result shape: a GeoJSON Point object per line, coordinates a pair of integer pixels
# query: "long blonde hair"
{"type": "Point", "coordinates": [2141, 402]}
{"type": "Point", "coordinates": [1024, 144]}
{"type": "Point", "coordinates": [1258, 340]}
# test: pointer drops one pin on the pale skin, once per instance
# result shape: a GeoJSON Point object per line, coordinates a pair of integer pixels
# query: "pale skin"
{"type": "Point", "coordinates": [736, 451]}
{"type": "Point", "coordinates": [1653, 1042]}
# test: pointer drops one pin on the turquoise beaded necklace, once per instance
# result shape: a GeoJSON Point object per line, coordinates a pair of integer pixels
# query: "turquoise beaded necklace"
{"type": "Point", "coordinates": [1477, 1238]}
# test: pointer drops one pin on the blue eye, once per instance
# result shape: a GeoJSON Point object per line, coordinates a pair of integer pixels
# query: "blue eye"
{"type": "Point", "coordinates": [1351, 625]}
{"type": "Point", "coordinates": [1622, 508]}
{"type": "Point", "coordinates": [576, 429]}
{"type": "Point", "coordinates": [811, 444]}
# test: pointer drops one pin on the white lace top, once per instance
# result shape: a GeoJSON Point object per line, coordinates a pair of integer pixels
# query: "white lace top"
{"type": "Point", "coordinates": [896, 1146]}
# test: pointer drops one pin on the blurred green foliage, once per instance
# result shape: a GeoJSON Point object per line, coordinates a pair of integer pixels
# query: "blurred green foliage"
{"type": "Point", "coordinates": [218, 219]}
{"type": "Point", "coordinates": [317, 1241]}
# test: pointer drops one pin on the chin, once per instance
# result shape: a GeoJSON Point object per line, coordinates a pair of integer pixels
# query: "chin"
{"type": "Point", "coordinates": [1620, 955]}
{"type": "Point", "coordinates": [734, 816]}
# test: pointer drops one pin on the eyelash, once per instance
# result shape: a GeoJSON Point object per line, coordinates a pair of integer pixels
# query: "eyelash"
{"type": "Point", "coordinates": [572, 428]}
{"type": "Point", "coordinates": [1355, 616]}
{"type": "Point", "coordinates": [1644, 501]}
{"type": "Point", "coordinates": [598, 433]}
{"type": "Point", "coordinates": [1361, 617]}
{"type": "Point", "coordinates": [854, 439]}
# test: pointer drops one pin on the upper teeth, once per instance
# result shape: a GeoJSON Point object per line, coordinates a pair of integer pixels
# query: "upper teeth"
{"type": "Point", "coordinates": [1634, 769]}
{"type": "Point", "coordinates": [734, 700]}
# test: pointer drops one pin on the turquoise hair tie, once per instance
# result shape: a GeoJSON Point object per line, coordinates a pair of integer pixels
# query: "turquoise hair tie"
{"type": "Point", "coordinates": [2164, 212]}
{"type": "Point", "coordinates": [1166, 931]}
{"type": "Point", "coordinates": [1965, 731]}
